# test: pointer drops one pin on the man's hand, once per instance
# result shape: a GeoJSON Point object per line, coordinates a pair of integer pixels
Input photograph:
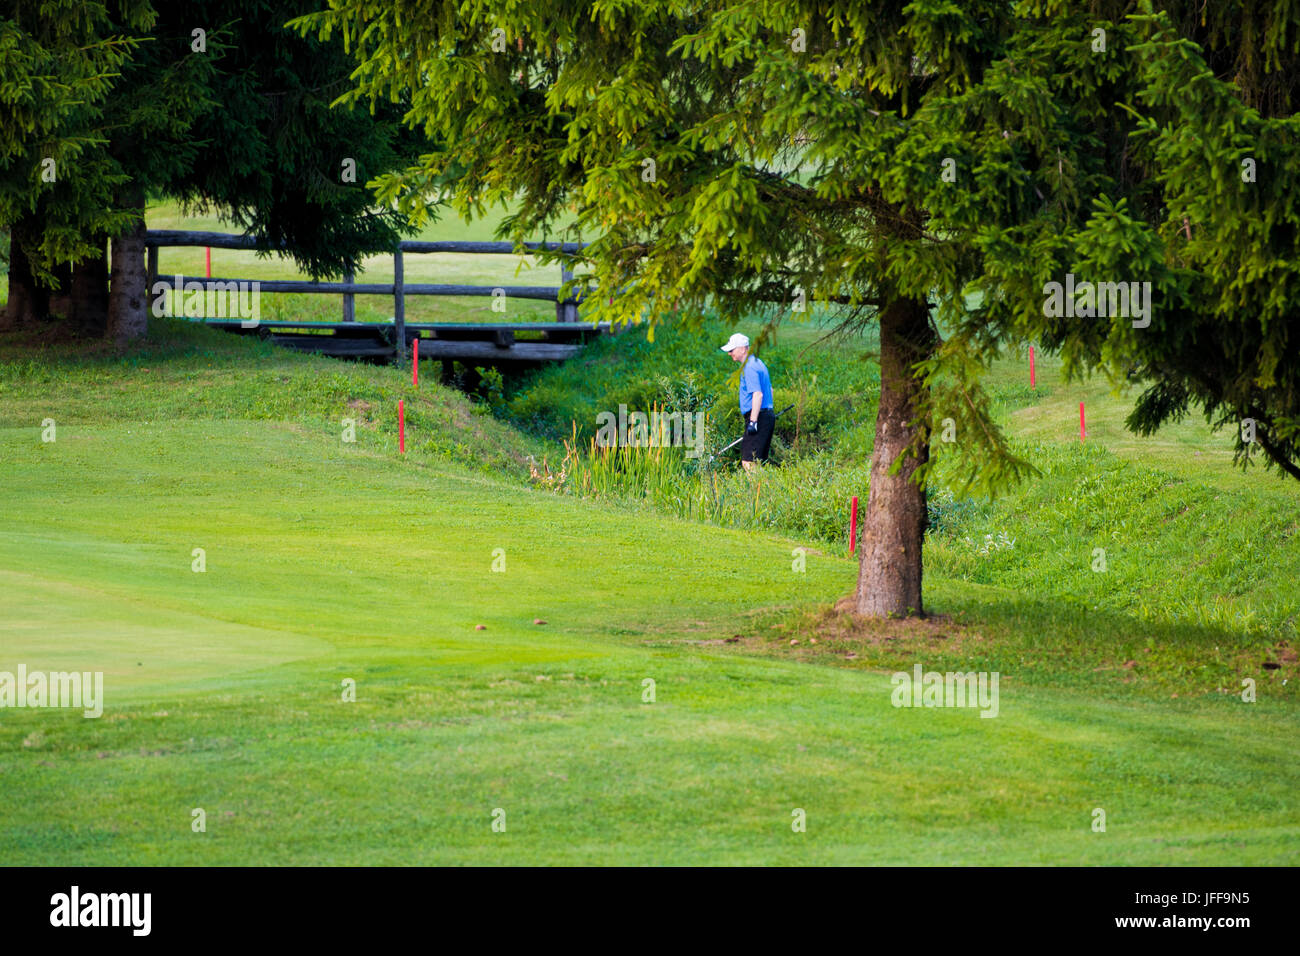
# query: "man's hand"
{"type": "Point", "coordinates": [751, 428]}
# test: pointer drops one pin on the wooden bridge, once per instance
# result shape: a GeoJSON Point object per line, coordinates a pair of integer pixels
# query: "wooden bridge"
{"type": "Point", "coordinates": [517, 344]}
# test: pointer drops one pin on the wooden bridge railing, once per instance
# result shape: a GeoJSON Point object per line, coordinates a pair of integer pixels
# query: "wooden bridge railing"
{"type": "Point", "coordinates": [565, 310]}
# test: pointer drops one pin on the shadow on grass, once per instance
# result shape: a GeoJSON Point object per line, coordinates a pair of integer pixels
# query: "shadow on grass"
{"type": "Point", "coordinates": [1036, 641]}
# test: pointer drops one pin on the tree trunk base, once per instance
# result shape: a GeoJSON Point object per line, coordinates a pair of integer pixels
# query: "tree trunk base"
{"type": "Point", "coordinates": [89, 294]}
{"type": "Point", "coordinates": [29, 301]}
{"type": "Point", "coordinates": [128, 300]}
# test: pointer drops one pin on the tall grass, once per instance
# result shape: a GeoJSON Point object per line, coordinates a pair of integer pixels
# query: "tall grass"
{"type": "Point", "coordinates": [822, 445]}
{"type": "Point", "coordinates": [806, 498]}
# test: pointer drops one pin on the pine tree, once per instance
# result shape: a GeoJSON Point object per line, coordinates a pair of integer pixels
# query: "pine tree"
{"type": "Point", "coordinates": [215, 103]}
{"type": "Point", "coordinates": [903, 160]}
{"type": "Point", "coordinates": [252, 135]}
{"type": "Point", "coordinates": [724, 155]}
{"type": "Point", "coordinates": [280, 162]}
{"type": "Point", "coordinates": [1149, 147]}
{"type": "Point", "coordinates": [58, 62]}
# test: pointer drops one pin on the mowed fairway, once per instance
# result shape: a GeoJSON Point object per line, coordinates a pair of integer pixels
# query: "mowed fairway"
{"type": "Point", "coordinates": [328, 561]}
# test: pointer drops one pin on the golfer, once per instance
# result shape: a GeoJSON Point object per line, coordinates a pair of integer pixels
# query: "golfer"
{"type": "Point", "coordinates": [756, 405]}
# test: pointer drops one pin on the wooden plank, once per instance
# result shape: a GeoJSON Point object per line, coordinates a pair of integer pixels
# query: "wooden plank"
{"type": "Point", "coordinates": [301, 285]}
{"type": "Point", "coordinates": [437, 328]}
{"type": "Point", "coordinates": [331, 345]}
{"type": "Point", "coordinates": [520, 351]}
{"type": "Point", "coordinates": [399, 303]}
{"type": "Point", "coordinates": [493, 248]}
{"type": "Point", "coordinates": [187, 237]}
{"type": "Point", "coordinates": [350, 330]}
{"type": "Point", "coordinates": [349, 299]}
{"type": "Point", "coordinates": [547, 292]}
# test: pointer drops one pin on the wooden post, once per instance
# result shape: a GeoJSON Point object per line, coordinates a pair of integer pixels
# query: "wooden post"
{"type": "Point", "coordinates": [151, 268]}
{"type": "Point", "coordinates": [399, 304]}
{"type": "Point", "coordinates": [566, 311]}
{"type": "Point", "coordinates": [349, 302]}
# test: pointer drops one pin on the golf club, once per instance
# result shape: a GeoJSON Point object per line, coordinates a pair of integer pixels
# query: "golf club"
{"type": "Point", "coordinates": [742, 437]}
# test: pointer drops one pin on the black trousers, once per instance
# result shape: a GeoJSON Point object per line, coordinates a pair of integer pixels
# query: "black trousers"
{"type": "Point", "coordinates": [755, 447]}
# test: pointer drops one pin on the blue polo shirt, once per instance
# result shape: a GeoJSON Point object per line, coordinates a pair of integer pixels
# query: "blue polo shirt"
{"type": "Point", "coordinates": [754, 380]}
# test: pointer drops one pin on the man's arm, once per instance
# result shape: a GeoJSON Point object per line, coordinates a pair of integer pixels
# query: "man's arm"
{"type": "Point", "coordinates": [755, 391]}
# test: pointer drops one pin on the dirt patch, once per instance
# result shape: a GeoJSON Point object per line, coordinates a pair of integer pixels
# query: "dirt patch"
{"type": "Point", "coordinates": [831, 635]}
{"type": "Point", "coordinates": [1280, 656]}
{"type": "Point", "coordinates": [842, 623]}
{"type": "Point", "coordinates": [839, 633]}
{"type": "Point", "coordinates": [360, 405]}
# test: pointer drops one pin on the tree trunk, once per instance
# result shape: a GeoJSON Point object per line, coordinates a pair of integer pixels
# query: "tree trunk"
{"type": "Point", "coordinates": [128, 301]}
{"type": "Point", "coordinates": [89, 292]}
{"type": "Point", "coordinates": [893, 529]}
{"type": "Point", "coordinates": [61, 297]}
{"type": "Point", "coordinates": [28, 300]}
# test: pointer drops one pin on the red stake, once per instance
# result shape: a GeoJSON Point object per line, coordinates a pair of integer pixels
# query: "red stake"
{"type": "Point", "coordinates": [207, 260]}
{"type": "Point", "coordinates": [415, 362]}
{"type": "Point", "coordinates": [401, 426]}
{"type": "Point", "coordinates": [1082, 431]}
{"type": "Point", "coordinates": [1031, 367]}
{"type": "Point", "coordinates": [853, 526]}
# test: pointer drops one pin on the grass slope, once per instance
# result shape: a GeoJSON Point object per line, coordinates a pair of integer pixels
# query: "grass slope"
{"type": "Point", "coordinates": [329, 561]}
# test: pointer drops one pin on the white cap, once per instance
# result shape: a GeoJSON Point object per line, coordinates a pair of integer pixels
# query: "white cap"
{"type": "Point", "coordinates": [735, 342]}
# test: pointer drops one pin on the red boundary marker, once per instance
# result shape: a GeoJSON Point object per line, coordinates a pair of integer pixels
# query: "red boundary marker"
{"type": "Point", "coordinates": [401, 426]}
{"type": "Point", "coordinates": [853, 525]}
{"type": "Point", "coordinates": [415, 362]}
{"type": "Point", "coordinates": [1082, 430]}
{"type": "Point", "coordinates": [1031, 368]}
{"type": "Point", "coordinates": [207, 261]}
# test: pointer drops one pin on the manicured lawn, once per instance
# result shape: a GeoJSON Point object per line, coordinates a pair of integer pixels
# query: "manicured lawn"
{"type": "Point", "coordinates": [328, 561]}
